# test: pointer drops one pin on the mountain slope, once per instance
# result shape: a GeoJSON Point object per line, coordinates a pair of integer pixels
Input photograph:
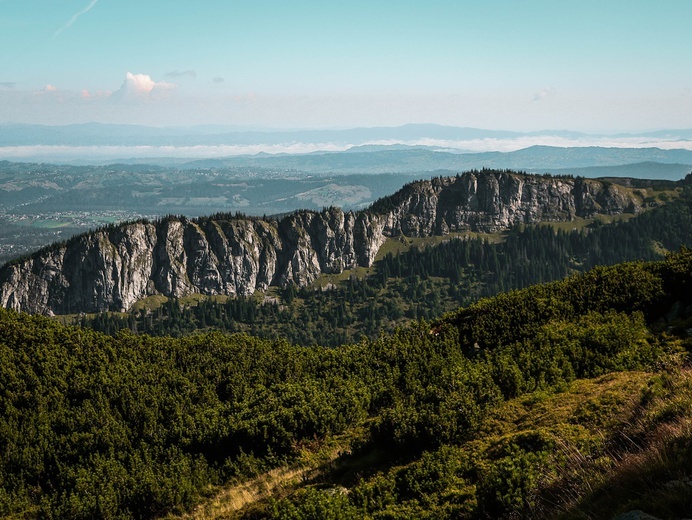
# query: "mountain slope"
{"type": "Point", "coordinates": [114, 267]}
{"type": "Point", "coordinates": [139, 427]}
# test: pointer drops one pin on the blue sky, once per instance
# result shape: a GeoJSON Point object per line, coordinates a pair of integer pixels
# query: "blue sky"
{"type": "Point", "coordinates": [601, 66]}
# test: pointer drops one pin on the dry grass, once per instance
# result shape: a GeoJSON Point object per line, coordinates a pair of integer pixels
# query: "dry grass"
{"type": "Point", "coordinates": [645, 462]}
{"type": "Point", "coordinates": [230, 500]}
{"type": "Point", "coordinates": [622, 441]}
{"type": "Point", "coordinates": [642, 473]}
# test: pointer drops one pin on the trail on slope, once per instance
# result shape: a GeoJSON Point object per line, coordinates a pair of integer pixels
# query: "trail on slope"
{"type": "Point", "coordinates": [276, 482]}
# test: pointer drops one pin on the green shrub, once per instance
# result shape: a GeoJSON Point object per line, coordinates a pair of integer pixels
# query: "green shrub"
{"type": "Point", "coordinates": [509, 485]}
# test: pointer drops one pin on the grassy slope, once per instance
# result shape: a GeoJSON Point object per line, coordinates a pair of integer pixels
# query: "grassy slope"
{"type": "Point", "coordinates": [616, 443]}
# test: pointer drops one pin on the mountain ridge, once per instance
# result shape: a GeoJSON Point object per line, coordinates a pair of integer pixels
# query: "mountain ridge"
{"type": "Point", "coordinates": [114, 267]}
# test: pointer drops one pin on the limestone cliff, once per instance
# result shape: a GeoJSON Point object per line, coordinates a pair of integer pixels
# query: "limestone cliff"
{"type": "Point", "coordinates": [112, 268]}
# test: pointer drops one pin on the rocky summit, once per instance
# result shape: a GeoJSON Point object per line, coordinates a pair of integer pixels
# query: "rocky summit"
{"type": "Point", "coordinates": [114, 267]}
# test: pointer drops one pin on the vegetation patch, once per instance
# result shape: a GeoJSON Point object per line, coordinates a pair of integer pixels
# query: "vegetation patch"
{"type": "Point", "coordinates": [452, 417]}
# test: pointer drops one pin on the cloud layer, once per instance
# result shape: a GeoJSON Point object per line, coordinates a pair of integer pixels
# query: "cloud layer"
{"type": "Point", "coordinates": [52, 153]}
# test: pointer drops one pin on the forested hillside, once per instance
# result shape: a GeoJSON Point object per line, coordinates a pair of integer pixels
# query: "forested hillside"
{"type": "Point", "coordinates": [94, 426]}
{"type": "Point", "coordinates": [421, 282]}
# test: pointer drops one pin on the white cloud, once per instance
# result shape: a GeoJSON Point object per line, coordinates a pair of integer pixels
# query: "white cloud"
{"type": "Point", "coordinates": [75, 16]}
{"type": "Point", "coordinates": [142, 86]}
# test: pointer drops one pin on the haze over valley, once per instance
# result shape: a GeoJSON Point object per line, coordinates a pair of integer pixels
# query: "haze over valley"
{"type": "Point", "coordinates": [102, 143]}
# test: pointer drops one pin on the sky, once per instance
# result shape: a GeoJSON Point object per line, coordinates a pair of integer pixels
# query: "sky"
{"type": "Point", "coordinates": [592, 66]}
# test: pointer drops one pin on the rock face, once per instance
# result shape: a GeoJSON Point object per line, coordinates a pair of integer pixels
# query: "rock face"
{"type": "Point", "coordinates": [112, 268]}
{"type": "Point", "coordinates": [493, 201]}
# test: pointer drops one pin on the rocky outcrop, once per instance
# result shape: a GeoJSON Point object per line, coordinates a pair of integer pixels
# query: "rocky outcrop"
{"type": "Point", "coordinates": [493, 201]}
{"type": "Point", "coordinates": [112, 268]}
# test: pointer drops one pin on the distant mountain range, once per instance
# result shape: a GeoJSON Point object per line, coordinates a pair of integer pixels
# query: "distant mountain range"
{"type": "Point", "coordinates": [410, 149]}
{"type": "Point", "coordinates": [538, 159]}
